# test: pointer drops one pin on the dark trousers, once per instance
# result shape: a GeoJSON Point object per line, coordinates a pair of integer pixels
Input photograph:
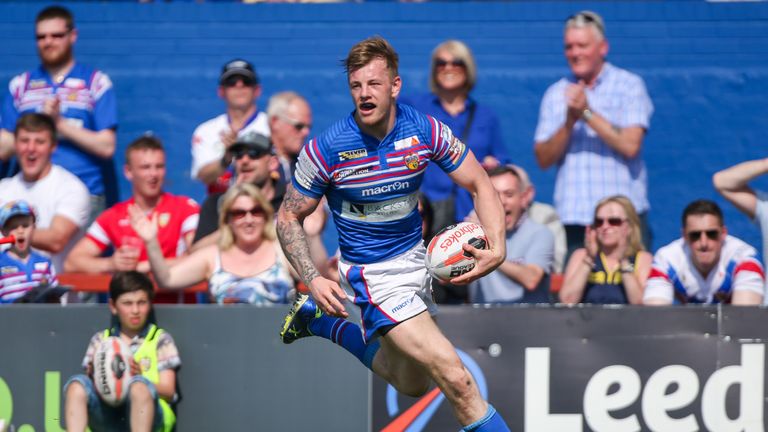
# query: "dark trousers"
{"type": "Point", "coordinates": [443, 214]}
{"type": "Point", "coordinates": [574, 236]}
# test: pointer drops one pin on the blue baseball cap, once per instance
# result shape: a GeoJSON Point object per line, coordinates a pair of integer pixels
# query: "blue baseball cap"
{"type": "Point", "coordinates": [15, 208]}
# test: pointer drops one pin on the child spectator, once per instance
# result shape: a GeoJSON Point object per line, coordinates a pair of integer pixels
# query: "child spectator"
{"type": "Point", "coordinates": [23, 269]}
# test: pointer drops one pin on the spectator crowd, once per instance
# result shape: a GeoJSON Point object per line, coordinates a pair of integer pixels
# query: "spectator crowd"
{"type": "Point", "coordinates": [58, 137]}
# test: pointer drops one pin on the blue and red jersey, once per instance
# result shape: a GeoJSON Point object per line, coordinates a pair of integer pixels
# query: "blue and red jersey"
{"type": "Point", "coordinates": [86, 98]}
{"type": "Point", "coordinates": [18, 277]}
{"type": "Point", "coordinates": [372, 186]}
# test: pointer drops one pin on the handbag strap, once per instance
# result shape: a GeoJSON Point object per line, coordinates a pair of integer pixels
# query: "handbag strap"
{"type": "Point", "coordinates": [468, 125]}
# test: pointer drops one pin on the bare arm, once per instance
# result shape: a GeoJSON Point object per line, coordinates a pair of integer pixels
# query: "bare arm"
{"type": "Point", "coordinates": [210, 239]}
{"type": "Point", "coordinates": [100, 143]}
{"type": "Point", "coordinates": [185, 271]}
{"type": "Point", "coordinates": [527, 275]}
{"type": "Point", "coordinates": [293, 238]}
{"type": "Point", "coordinates": [6, 145]}
{"type": "Point", "coordinates": [634, 283]}
{"type": "Point", "coordinates": [166, 384]}
{"type": "Point", "coordinates": [746, 298]}
{"type": "Point", "coordinates": [552, 150]}
{"type": "Point", "coordinates": [472, 177]}
{"type": "Point", "coordinates": [313, 226]}
{"type": "Point", "coordinates": [54, 238]}
{"type": "Point", "coordinates": [576, 273]}
{"type": "Point", "coordinates": [210, 172]}
{"type": "Point", "coordinates": [86, 257]}
{"type": "Point", "coordinates": [732, 184]}
{"type": "Point", "coordinates": [625, 141]}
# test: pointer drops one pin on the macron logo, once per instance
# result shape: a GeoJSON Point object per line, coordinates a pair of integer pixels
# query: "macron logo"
{"type": "Point", "coordinates": [396, 186]}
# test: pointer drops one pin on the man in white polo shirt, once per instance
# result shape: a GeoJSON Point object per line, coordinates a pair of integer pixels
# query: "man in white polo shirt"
{"type": "Point", "coordinates": [239, 88]}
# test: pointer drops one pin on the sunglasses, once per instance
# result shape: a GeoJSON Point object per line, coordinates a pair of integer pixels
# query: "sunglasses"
{"type": "Point", "coordinates": [59, 35]}
{"type": "Point", "coordinates": [234, 79]}
{"type": "Point", "coordinates": [694, 236]}
{"type": "Point", "coordinates": [236, 214]}
{"type": "Point", "coordinates": [251, 152]}
{"type": "Point", "coordinates": [455, 63]}
{"type": "Point", "coordinates": [612, 221]}
{"type": "Point", "coordinates": [587, 18]}
{"type": "Point", "coordinates": [299, 126]}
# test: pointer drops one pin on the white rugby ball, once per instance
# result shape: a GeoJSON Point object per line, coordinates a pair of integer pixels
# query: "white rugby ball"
{"type": "Point", "coordinates": [446, 258]}
{"type": "Point", "coordinates": [112, 370]}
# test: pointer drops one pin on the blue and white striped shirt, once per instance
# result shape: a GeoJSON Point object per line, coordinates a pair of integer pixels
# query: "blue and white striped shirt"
{"type": "Point", "coordinates": [372, 186]}
{"type": "Point", "coordinates": [590, 170]}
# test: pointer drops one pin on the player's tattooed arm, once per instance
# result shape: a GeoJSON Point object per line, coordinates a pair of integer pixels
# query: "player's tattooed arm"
{"type": "Point", "coordinates": [293, 238]}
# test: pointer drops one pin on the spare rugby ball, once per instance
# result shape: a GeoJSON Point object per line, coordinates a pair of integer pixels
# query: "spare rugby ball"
{"type": "Point", "coordinates": [446, 258]}
{"type": "Point", "coordinates": [112, 370]}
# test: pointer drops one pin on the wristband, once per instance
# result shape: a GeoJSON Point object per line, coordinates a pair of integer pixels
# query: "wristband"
{"type": "Point", "coordinates": [627, 267]}
{"type": "Point", "coordinates": [587, 114]}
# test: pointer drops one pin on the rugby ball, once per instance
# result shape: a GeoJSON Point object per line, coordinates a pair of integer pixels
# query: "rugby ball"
{"type": "Point", "coordinates": [446, 258]}
{"type": "Point", "coordinates": [112, 370]}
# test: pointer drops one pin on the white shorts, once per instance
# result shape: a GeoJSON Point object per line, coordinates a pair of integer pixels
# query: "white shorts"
{"type": "Point", "coordinates": [388, 292]}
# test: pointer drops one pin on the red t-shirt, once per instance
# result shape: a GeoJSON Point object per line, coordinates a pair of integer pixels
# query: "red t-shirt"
{"type": "Point", "coordinates": [177, 216]}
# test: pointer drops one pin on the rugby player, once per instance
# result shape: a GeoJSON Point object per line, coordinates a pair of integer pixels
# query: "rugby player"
{"type": "Point", "coordinates": [369, 165]}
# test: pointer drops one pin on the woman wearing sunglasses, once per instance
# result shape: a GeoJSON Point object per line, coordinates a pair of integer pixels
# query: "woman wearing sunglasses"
{"type": "Point", "coordinates": [612, 267]}
{"type": "Point", "coordinates": [452, 76]}
{"type": "Point", "coordinates": [246, 266]}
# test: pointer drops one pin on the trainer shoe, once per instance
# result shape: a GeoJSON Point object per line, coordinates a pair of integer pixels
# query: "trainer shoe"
{"type": "Point", "coordinates": [296, 325]}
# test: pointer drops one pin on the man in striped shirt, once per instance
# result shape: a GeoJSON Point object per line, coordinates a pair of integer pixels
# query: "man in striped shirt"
{"type": "Point", "coordinates": [591, 125]}
{"type": "Point", "coordinates": [706, 265]}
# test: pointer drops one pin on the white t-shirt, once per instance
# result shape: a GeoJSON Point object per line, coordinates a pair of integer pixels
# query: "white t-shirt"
{"type": "Point", "coordinates": [206, 140]}
{"type": "Point", "coordinates": [58, 193]}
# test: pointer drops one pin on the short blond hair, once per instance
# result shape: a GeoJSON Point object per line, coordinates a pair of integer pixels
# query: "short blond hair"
{"type": "Point", "coordinates": [460, 51]}
{"type": "Point", "coordinates": [370, 49]}
{"type": "Point", "coordinates": [227, 238]}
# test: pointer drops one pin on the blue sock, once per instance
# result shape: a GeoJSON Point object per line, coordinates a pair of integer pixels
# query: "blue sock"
{"type": "Point", "coordinates": [347, 335]}
{"type": "Point", "coordinates": [491, 422]}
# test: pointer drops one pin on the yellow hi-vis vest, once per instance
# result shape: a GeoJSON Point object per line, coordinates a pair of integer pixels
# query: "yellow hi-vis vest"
{"type": "Point", "coordinates": [146, 357]}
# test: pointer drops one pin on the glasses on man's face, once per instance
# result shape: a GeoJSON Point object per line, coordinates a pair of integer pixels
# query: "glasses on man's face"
{"type": "Point", "coordinates": [234, 79]}
{"type": "Point", "coordinates": [57, 35]}
{"type": "Point", "coordinates": [299, 126]}
{"type": "Point", "coordinates": [236, 214]}
{"type": "Point", "coordinates": [612, 221]}
{"type": "Point", "coordinates": [694, 236]}
{"type": "Point", "coordinates": [250, 152]}
{"type": "Point", "coordinates": [441, 63]}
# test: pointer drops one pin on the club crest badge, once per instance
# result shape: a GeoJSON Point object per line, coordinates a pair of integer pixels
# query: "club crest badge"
{"type": "Point", "coordinates": [412, 161]}
{"type": "Point", "coordinates": [163, 219]}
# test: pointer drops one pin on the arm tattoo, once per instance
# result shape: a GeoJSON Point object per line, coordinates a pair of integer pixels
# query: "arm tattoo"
{"type": "Point", "coordinates": [292, 236]}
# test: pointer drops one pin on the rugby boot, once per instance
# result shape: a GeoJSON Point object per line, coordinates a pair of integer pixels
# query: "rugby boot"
{"type": "Point", "coordinates": [296, 325]}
